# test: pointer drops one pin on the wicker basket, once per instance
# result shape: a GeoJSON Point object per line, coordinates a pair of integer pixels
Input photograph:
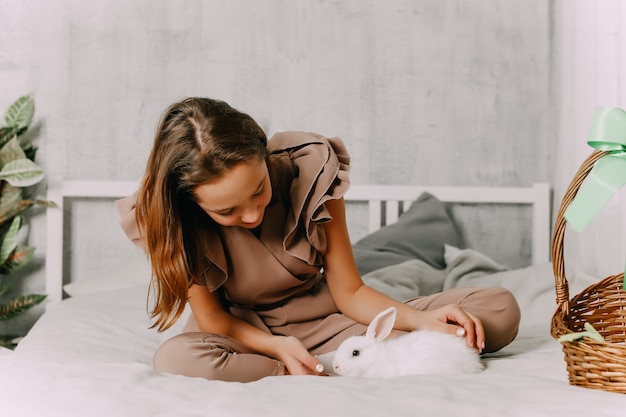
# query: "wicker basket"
{"type": "Point", "coordinates": [590, 363]}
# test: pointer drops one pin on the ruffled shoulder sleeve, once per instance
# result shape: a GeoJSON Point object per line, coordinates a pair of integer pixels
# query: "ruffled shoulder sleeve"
{"type": "Point", "coordinates": [126, 211]}
{"type": "Point", "coordinates": [321, 173]}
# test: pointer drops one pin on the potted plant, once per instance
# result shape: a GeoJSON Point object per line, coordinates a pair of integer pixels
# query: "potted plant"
{"type": "Point", "coordinates": [18, 173]}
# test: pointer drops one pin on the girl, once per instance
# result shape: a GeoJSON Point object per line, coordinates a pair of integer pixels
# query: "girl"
{"type": "Point", "coordinates": [252, 233]}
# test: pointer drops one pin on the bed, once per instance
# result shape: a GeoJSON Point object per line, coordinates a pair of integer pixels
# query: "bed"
{"type": "Point", "coordinates": [90, 353]}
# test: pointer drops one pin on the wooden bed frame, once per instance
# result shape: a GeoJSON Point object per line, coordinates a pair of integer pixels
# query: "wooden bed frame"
{"type": "Point", "coordinates": [395, 199]}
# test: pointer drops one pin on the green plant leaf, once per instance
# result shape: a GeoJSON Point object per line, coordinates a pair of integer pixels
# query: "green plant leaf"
{"type": "Point", "coordinates": [9, 341]}
{"type": "Point", "coordinates": [7, 213]}
{"type": "Point", "coordinates": [9, 243]}
{"type": "Point", "coordinates": [30, 151]}
{"type": "Point", "coordinates": [7, 133]}
{"type": "Point", "coordinates": [21, 173]}
{"type": "Point", "coordinates": [21, 112]}
{"type": "Point", "coordinates": [19, 305]}
{"type": "Point", "coordinates": [4, 288]}
{"type": "Point", "coordinates": [11, 151]}
{"type": "Point", "coordinates": [21, 256]}
{"type": "Point", "coordinates": [10, 196]}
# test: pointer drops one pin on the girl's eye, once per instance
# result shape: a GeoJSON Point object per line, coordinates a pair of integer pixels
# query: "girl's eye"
{"type": "Point", "coordinates": [227, 213]}
{"type": "Point", "coordinates": [258, 193]}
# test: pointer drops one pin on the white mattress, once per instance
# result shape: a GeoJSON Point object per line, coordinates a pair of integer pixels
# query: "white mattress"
{"type": "Point", "coordinates": [91, 356]}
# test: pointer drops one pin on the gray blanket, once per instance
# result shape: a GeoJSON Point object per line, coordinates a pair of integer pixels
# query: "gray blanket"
{"type": "Point", "coordinates": [416, 278]}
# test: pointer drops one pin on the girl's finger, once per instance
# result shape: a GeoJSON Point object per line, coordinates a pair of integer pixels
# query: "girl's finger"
{"type": "Point", "coordinates": [480, 332]}
{"type": "Point", "coordinates": [466, 323]}
{"type": "Point", "coordinates": [315, 365]}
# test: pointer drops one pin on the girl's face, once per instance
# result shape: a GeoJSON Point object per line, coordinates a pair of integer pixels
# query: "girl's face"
{"type": "Point", "coordinates": [239, 197]}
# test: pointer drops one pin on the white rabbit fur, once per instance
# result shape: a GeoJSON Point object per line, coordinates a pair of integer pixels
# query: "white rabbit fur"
{"type": "Point", "coordinates": [415, 353]}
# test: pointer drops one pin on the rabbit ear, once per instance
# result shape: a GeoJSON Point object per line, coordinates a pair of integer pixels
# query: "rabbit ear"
{"type": "Point", "coordinates": [382, 324]}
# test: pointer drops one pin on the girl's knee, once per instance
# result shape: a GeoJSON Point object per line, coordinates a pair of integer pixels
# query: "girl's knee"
{"type": "Point", "coordinates": [502, 321]}
{"type": "Point", "coordinates": [171, 357]}
{"type": "Point", "coordinates": [509, 310]}
{"type": "Point", "coordinates": [191, 354]}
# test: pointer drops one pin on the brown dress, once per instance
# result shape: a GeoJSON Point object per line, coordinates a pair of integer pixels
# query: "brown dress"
{"type": "Point", "coordinates": [273, 279]}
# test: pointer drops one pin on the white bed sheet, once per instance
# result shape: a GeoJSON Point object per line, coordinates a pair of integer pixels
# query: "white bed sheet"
{"type": "Point", "coordinates": [91, 356]}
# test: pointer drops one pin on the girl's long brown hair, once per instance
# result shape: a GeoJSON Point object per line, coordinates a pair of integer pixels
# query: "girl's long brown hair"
{"type": "Point", "coordinates": [197, 141]}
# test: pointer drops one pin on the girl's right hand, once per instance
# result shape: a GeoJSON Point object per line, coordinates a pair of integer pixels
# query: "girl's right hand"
{"type": "Point", "coordinates": [297, 359]}
{"type": "Point", "coordinates": [453, 319]}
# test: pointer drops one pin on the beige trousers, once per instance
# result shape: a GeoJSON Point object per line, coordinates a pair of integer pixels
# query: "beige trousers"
{"type": "Point", "coordinates": [216, 357]}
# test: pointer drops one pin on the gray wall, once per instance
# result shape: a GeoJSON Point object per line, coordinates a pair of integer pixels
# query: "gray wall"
{"type": "Point", "coordinates": [438, 92]}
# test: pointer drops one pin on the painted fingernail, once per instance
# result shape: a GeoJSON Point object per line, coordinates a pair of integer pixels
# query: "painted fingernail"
{"type": "Point", "coordinates": [319, 367]}
{"type": "Point", "coordinates": [460, 332]}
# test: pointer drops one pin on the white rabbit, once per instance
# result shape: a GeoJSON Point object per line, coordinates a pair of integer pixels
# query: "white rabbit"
{"type": "Point", "coordinates": [415, 353]}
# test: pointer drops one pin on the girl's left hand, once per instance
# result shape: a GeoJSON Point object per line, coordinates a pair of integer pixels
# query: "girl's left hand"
{"type": "Point", "coordinates": [298, 361]}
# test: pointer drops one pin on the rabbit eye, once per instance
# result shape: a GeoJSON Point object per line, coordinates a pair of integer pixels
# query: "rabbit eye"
{"type": "Point", "coordinates": [355, 353]}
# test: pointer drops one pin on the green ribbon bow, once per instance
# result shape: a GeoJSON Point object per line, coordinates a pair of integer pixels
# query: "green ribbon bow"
{"type": "Point", "coordinates": [607, 133]}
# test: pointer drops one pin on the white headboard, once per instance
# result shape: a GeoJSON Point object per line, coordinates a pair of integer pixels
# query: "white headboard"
{"type": "Point", "coordinates": [537, 196]}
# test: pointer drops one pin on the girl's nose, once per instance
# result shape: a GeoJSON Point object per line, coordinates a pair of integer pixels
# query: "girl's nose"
{"type": "Point", "coordinates": [251, 215]}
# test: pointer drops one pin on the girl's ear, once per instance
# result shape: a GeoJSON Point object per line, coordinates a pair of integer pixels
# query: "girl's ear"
{"type": "Point", "coordinates": [382, 324]}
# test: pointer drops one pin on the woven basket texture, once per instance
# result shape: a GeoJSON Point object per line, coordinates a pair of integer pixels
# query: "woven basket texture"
{"type": "Point", "coordinates": [589, 363]}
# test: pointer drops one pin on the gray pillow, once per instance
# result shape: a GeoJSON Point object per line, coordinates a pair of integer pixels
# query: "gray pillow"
{"type": "Point", "coordinates": [420, 233]}
{"type": "Point", "coordinates": [406, 280]}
